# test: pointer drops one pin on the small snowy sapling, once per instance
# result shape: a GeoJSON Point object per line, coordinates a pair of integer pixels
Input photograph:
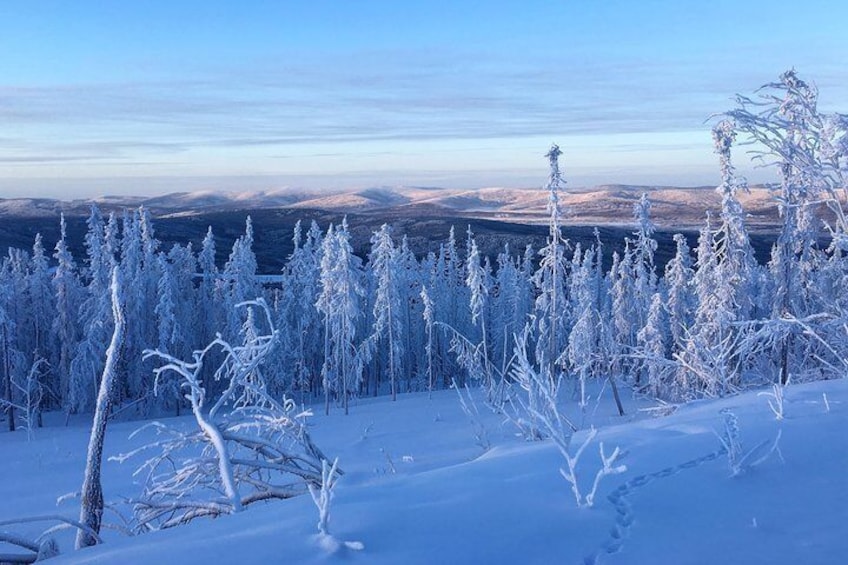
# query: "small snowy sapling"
{"type": "Point", "coordinates": [322, 497]}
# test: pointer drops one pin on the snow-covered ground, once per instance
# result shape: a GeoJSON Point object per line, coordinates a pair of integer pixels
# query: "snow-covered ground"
{"type": "Point", "coordinates": [418, 489]}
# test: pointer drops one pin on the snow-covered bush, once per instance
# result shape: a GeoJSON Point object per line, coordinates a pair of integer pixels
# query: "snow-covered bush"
{"type": "Point", "coordinates": [247, 447]}
{"type": "Point", "coordinates": [538, 416]}
{"type": "Point", "coordinates": [532, 405]}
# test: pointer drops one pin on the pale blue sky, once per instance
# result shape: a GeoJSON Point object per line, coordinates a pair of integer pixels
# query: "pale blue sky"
{"type": "Point", "coordinates": [153, 96]}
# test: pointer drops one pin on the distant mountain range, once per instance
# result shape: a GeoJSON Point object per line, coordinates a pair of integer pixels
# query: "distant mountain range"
{"type": "Point", "coordinates": [497, 216]}
{"type": "Point", "coordinates": [673, 207]}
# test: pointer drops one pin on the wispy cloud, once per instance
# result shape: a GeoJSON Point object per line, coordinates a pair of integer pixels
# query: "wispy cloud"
{"type": "Point", "coordinates": [265, 107]}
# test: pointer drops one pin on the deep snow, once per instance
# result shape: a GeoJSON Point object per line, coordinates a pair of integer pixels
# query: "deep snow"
{"type": "Point", "coordinates": [417, 489]}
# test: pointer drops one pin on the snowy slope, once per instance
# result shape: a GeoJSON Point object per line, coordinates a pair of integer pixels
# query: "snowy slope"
{"type": "Point", "coordinates": [448, 501]}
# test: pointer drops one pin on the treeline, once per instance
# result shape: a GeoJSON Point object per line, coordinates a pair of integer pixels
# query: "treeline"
{"type": "Point", "coordinates": [711, 322]}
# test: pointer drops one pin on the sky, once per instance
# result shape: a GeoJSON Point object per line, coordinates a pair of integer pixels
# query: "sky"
{"type": "Point", "coordinates": [157, 96]}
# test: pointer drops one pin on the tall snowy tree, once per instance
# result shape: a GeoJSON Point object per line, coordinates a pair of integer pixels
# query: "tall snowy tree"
{"type": "Point", "coordinates": [388, 308]}
{"type": "Point", "coordinates": [67, 290]}
{"type": "Point", "coordinates": [339, 302]}
{"type": "Point", "coordinates": [551, 308]}
{"type": "Point", "coordinates": [681, 299]}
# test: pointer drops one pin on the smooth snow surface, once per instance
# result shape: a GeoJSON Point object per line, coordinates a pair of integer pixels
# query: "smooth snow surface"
{"type": "Point", "coordinates": [417, 489]}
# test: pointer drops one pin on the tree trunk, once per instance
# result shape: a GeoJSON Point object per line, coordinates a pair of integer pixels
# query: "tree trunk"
{"type": "Point", "coordinates": [91, 509]}
{"type": "Point", "coordinates": [10, 410]}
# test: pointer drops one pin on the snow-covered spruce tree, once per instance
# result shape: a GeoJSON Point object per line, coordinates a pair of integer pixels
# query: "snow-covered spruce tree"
{"type": "Point", "coordinates": [208, 297]}
{"type": "Point", "coordinates": [302, 326]}
{"type": "Point", "coordinates": [589, 350]}
{"type": "Point", "coordinates": [385, 268]}
{"type": "Point", "coordinates": [11, 360]}
{"type": "Point", "coordinates": [91, 496]}
{"type": "Point", "coordinates": [735, 256]}
{"type": "Point", "coordinates": [248, 446]}
{"type": "Point", "coordinates": [512, 303]}
{"type": "Point", "coordinates": [622, 310]}
{"type": "Point", "coordinates": [551, 308]}
{"type": "Point", "coordinates": [680, 294]}
{"type": "Point", "coordinates": [169, 329]}
{"type": "Point", "coordinates": [412, 311]}
{"type": "Point", "coordinates": [580, 354]}
{"type": "Point", "coordinates": [140, 264]}
{"type": "Point", "coordinates": [182, 264]}
{"type": "Point", "coordinates": [429, 324]}
{"type": "Point", "coordinates": [644, 272]}
{"type": "Point", "coordinates": [478, 287]}
{"type": "Point", "coordinates": [239, 280]}
{"type": "Point", "coordinates": [654, 348]}
{"type": "Point", "coordinates": [339, 303]}
{"type": "Point", "coordinates": [95, 316]}
{"type": "Point", "coordinates": [41, 310]}
{"type": "Point", "coordinates": [709, 361]}
{"type": "Point", "coordinates": [65, 328]}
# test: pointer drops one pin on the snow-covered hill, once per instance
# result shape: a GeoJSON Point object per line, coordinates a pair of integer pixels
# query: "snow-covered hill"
{"type": "Point", "coordinates": [674, 207]}
{"type": "Point", "coordinates": [418, 489]}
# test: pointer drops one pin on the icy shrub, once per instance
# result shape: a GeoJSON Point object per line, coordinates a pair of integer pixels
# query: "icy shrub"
{"type": "Point", "coordinates": [247, 447]}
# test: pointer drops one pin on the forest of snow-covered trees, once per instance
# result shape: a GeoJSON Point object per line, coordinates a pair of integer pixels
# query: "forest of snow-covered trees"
{"type": "Point", "coordinates": [714, 321]}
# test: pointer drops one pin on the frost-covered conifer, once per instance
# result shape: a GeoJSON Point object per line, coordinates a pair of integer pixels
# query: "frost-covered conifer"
{"type": "Point", "coordinates": [41, 311]}
{"type": "Point", "coordinates": [551, 308]}
{"type": "Point", "coordinates": [654, 341]}
{"type": "Point", "coordinates": [239, 280]}
{"type": "Point", "coordinates": [678, 284]}
{"type": "Point", "coordinates": [65, 328]}
{"type": "Point", "coordinates": [385, 268]}
{"type": "Point", "coordinates": [644, 273]}
{"type": "Point", "coordinates": [478, 287]}
{"type": "Point", "coordinates": [339, 303]}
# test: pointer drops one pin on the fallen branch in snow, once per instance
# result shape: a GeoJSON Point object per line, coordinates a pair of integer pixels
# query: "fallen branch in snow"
{"type": "Point", "coordinates": [45, 545]}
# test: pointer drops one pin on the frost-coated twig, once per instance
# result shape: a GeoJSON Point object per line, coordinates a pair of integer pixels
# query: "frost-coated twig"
{"type": "Point", "coordinates": [322, 497]}
{"type": "Point", "coordinates": [570, 472]}
{"type": "Point", "coordinates": [739, 460]}
{"type": "Point", "coordinates": [608, 468]}
{"type": "Point", "coordinates": [391, 464]}
{"type": "Point", "coordinates": [775, 400]}
{"type": "Point", "coordinates": [469, 407]}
